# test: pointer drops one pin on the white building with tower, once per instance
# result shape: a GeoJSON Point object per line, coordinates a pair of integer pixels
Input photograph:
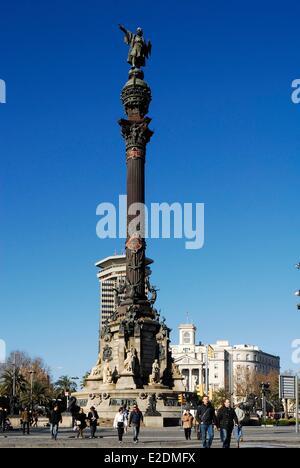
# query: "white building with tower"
{"type": "Point", "coordinates": [226, 364]}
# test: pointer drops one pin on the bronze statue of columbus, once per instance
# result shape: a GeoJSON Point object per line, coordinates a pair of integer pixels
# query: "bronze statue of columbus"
{"type": "Point", "coordinates": [139, 49]}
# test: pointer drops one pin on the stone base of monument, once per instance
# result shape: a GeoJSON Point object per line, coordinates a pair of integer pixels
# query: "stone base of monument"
{"type": "Point", "coordinates": [155, 387]}
{"type": "Point", "coordinates": [126, 382]}
{"type": "Point", "coordinates": [107, 387]}
{"type": "Point", "coordinates": [107, 403]}
{"type": "Point", "coordinates": [154, 421]}
{"type": "Point", "coordinates": [92, 384]}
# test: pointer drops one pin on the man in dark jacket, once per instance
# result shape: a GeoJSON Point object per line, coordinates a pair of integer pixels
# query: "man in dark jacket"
{"type": "Point", "coordinates": [206, 417]}
{"type": "Point", "coordinates": [135, 419]}
{"type": "Point", "coordinates": [93, 420]}
{"type": "Point", "coordinates": [55, 419]}
{"type": "Point", "coordinates": [2, 419]}
{"type": "Point", "coordinates": [226, 419]}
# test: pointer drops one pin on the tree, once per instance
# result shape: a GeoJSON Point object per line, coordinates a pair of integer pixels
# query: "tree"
{"type": "Point", "coordinates": [41, 395]}
{"type": "Point", "coordinates": [65, 384]}
{"type": "Point", "coordinates": [219, 396]}
{"type": "Point", "coordinates": [247, 385]}
{"type": "Point", "coordinates": [32, 378]}
{"type": "Point", "coordinates": [84, 379]}
{"type": "Point", "coordinates": [10, 376]}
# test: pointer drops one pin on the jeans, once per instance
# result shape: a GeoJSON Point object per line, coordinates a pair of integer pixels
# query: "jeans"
{"type": "Point", "coordinates": [207, 435]}
{"type": "Point", "coordinates": [187, 433]}
{"type": "Point", "coordinates": [120, 433]}
{"type": "Point", "coordinates": [25, 426]}
{"type": "Point", "coordinates": [136, 431]}
{"type": "Point", "coordinates": [54, 431]}
{"type": "Point", "coordinates": [238, 432]}
{"type": "Point", "coordinates": [226, 437]}
{"type": "Point", "coordinates": [93, 429]}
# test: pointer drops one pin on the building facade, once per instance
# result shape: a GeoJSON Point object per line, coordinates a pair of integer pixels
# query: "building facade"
{"type": "Point", "coordinates": [112, 270]}
{"type": "Point", "coordinates": [111, 273]}
{"type": "Point", "coordinates": [227, 365]}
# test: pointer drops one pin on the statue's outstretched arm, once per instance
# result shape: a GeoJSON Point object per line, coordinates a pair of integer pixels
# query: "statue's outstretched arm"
{"type": "Point", "coordinates": [123, 28]}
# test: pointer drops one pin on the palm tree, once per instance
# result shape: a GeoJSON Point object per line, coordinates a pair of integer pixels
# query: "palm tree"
{"type": "Point", "coordinates": [8, 378]}
{"type": "Point", "coordinates": [40, 395]}
{"type": "Point", "coordinates": [65, 384]}
{"type": "Point", "coordinates": [84, 379]}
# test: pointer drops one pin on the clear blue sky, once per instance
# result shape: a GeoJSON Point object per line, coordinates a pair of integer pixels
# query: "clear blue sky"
{"type": "Point", "coordinates": [226, 134]}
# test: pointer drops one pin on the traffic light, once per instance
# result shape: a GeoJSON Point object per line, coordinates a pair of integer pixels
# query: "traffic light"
{"type": "Point", "coordinates": [265, 387]}
{"type": "Point", "coordinates": [181, 399]}
{"type": "Point", "coordinates": [200, 390]}
{"type": "Point", "coordinates": [210, 352]}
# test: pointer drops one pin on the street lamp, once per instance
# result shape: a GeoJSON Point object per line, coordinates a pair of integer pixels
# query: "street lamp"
{"type": "Point", "coordinates": [68, 393]}
{"type": "Point", "coordinates": [32, 372]}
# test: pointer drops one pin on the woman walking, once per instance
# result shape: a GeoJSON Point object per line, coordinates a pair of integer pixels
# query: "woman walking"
{"type": "Point", "coordinates": [120, 423]}
{"type": "Point", "coordinates": [81, 423]}
{"type": "Point", "coordinates": [187, 423]}
{"type": "Point", "coordinates": [239, 429]}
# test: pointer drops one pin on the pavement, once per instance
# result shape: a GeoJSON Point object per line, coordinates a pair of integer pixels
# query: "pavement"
{"type": "Point", "coordinates": [254, 437]}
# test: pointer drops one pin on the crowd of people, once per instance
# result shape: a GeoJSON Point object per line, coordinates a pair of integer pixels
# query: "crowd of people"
{"type": "Point", "coordinates": [205, 420]}
{"type": "Point", "coordinates": [226, 420]}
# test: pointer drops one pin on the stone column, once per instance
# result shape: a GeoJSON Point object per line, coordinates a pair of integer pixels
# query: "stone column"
{"type": "Point", "coordinates": [136, 96]}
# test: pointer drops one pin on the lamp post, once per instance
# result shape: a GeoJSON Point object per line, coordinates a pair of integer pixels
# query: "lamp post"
{"type": "Point", "coordinates": [32, 372]}
{"type": "Point", "coordinates": [68, 393]}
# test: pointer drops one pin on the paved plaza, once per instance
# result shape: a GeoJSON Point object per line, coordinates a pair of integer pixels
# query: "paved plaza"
{"type": "Point", "coordinates": [159, 438]}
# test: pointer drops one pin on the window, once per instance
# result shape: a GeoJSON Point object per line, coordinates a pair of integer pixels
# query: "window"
{"type": "Point", "coordinates": [186, 350]}
{"type": "Point", "coordinates": [216, 376]}
{"type": "Point", "coordinates": [238, 357]}
{"type": "Point", "coordinates": [186, 338]}
{"type": "Point", "coordinates": [247, 357]}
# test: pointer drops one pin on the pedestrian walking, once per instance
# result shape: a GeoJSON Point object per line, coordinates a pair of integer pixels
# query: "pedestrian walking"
{"type": "Point", "coordinates": [55, 420]}
{"type": "Point", "coordinates": [206, 417]}
{"type": "Point", "coordinates": [240, 414]}
{"type": "Point", "coordinates": [81, 424]}
{"type": "Point", "coordinates": [120, 422]}
{"type": "Point", "coordinates": [25, 418]}
{"type": "Point", "coordinates": [187, 423]}
{"type": "Point", "coordinates": [2, 419]}
{"type": "Point", "coordinates": [127, 414]}
{"type": "Point", "coordinates": [93, 421]}
{"type": "Point", "coordinates": [227, 418]}
{"type": "Point", "coordinates": [35, 418]}
{"type": "Point", "coordinates": [135, 420]}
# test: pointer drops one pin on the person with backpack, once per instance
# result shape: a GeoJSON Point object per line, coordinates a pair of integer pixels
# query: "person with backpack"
{"type": "Point", "coordinates": [135, 419]}
{"type": "Point", "coordinates": [206, 418]}
{"type": "Point", "coordinates": [120, 423]}
{"type": "Point", "coordinates": [227, 418]}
